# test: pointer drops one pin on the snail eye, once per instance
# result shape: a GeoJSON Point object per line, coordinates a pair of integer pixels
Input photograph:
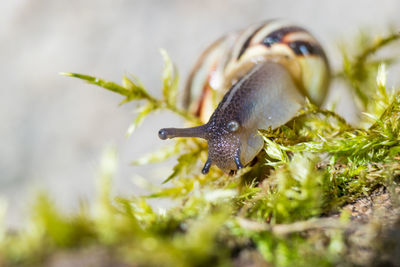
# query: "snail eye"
{"type": "Point", "coordinates": [232, 126]}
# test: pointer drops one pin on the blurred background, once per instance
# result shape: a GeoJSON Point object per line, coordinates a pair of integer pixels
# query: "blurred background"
{"type": "Point", "coordinates": [53, 129]}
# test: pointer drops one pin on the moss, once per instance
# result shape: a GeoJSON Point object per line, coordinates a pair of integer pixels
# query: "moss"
{"type": "Point", "coordinates": [285, 210]}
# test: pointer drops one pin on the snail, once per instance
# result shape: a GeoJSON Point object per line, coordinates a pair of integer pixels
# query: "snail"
{"type": "Point", "coordinates": [263, 74]}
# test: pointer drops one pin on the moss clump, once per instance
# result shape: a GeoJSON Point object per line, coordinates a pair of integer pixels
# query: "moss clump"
{"type": "Point", "coordinates": [285, 210]}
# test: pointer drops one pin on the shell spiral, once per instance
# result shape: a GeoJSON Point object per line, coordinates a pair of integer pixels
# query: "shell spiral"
{"type": "Point", "coordinates": [229, 58]}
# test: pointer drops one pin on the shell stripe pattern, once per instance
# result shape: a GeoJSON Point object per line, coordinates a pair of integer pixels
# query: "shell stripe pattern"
{"type": "Point", "coordinates": [229, 59]}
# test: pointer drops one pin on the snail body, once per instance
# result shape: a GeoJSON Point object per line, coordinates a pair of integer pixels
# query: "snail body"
{"type": "Point", "coordinates": [263, 75]}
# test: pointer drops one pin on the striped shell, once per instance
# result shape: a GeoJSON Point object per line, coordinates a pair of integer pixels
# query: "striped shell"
{"type": "Point", "coordinates": [229, 58]}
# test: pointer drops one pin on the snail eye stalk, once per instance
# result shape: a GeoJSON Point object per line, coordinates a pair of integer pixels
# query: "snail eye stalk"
{"type": "Point", "coordinates": [167, 133]}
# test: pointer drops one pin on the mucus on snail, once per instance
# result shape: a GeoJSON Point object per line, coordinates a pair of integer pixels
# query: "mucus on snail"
{"type": "Point", "coordinates": [264, 74]}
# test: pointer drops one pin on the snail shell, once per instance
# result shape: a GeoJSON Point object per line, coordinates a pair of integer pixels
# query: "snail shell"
{"type": "Point", "coordinates": [263, 75]}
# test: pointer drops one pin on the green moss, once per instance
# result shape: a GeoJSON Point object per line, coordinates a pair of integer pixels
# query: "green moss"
{"type": "Point", "coordinates": [277, 208]}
